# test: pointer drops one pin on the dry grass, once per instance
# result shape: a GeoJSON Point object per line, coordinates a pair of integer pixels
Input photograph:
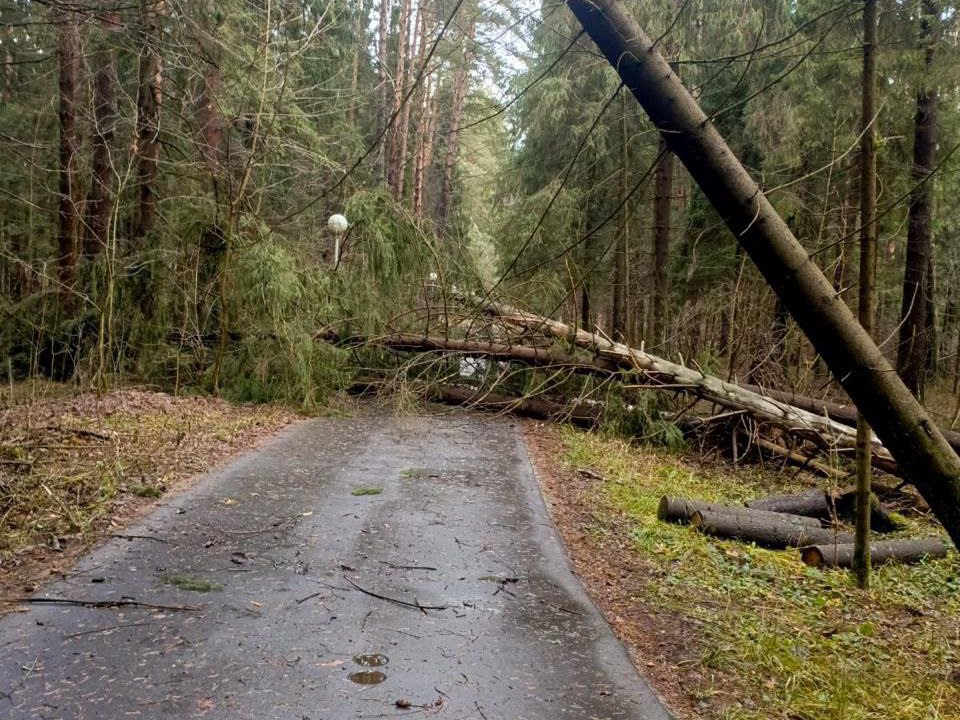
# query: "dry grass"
{"type": "Point", "coordinates": [74, 467]}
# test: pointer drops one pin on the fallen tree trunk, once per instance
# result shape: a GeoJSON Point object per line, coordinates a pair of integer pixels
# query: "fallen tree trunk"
{"type": "Point", "coordinates": [813, 503]}
{"type": "Point", "coordinates": [681, 510]}
{"type": "Point", "coordinates": [907, 551]}
{"type": "Point", "coordinates": [677, 377]}
{"type": "Point", "coordinates": [538, 357]}
{"type": "Point", "coordinates": [759, 527]}
{"type": "Point", "coordinates": [846, 414]}
{"type": "Point", "coordinates": [577, 413]}
{"type": "Point", "coordinates": [611, 358]}
{"type": "Point", "coordinates": [820, 311]}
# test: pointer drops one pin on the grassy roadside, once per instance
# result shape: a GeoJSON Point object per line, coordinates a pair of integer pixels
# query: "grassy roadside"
{"type": "Point", "coordinates": [775, 639]}
{"type": "Point", "coordinates": [74, 468]}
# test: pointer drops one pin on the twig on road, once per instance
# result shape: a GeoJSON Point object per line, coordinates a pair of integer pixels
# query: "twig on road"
{"type": "Point", "coordinates": [396, 601]}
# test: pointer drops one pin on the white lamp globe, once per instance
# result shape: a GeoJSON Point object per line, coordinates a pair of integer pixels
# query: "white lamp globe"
{"type": "Point", "coordinates": [338, 224]}
{"type": "Point", "coordinates": [433, 277]}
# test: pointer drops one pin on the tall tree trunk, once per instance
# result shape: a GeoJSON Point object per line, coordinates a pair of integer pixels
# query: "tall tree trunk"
{"type": "Point", "coordinates": [868, 269]}
{"type": "Point", "coordinates": [662, 210]}
{"type": "Point", "coordinates": [69, 184]}
{"type": "Point", "coordinates": [149, 99]}
{"type": "Point", "coordinates": [621, 279]}
{"type": "Point", "coordinates": [901, 422]}
{"type": "Point", "coordinates": [933, 346]}
{"type": "Point", "coordinates": [383, 109]}
{"type": "Point", "coordinates": [424, 146]}
{"type": "Point", "coordinates": [914, 342]}
{"type": "Point", "coordinates": [461, 83]}
{"type": "Point", "coordinates": [8, 67]}
{"type": "Point", "coordinates": [359, 46]}
{"type": "Point", "coordinates": [395, 162]}
{"type": "Point", "coordinates": [100, 198]}
{"type": "Point", "coordinates": [418, 49]}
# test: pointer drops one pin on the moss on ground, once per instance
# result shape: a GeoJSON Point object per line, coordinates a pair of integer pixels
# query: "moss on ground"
{"type": "Point", "coordinates": [786, 641]}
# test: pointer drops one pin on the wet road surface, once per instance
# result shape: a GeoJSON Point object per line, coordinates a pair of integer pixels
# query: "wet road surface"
{"type": "Point", "coordinates": [282, 554]}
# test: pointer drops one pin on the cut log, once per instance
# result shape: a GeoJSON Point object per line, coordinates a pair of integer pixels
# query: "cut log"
{"type": "Point", "coordinates": [764, 530]}
{"type": "Point", "coordinates": [881, 519]}
{"type": "Point", "coordinates": [681, 510]}
{"type": "Point", "coordinates": [906, 551]}
{"type": "Point", "coordinates": [813, 503]}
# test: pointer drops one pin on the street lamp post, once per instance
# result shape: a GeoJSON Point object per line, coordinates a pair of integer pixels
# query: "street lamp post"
{"type": "Point", "coordinates": [338, 226]}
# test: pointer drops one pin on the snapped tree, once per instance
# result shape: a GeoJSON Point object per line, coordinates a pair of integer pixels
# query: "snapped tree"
{"type": "Point", "coordinates": [852, 356]}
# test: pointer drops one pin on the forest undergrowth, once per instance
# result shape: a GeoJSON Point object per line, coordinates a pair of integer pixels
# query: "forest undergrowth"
{"type": "Point", "coordinates": [762, 636]}
{"type": "Point", "coordinates": [77, 467]}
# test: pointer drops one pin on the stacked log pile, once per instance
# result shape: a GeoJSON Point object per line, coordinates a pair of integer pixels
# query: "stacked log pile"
{"type": "Point", "coordinates": [807, 521]}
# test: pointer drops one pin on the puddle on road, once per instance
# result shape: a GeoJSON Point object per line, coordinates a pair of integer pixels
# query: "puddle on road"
{"type": "Point", "coordinates": [367, 677]}
{"type": "Point", "coordinates": [372, 660]}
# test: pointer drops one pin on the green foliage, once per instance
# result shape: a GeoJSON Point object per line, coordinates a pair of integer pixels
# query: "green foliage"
{"type": "Point", "coordinates": [776, 640]}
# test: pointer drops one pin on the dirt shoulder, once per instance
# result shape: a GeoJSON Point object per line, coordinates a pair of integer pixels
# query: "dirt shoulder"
{"type": "Point", "coordinates": [74, 470]}
{"type": "Point", "coordinates": [656, 640]}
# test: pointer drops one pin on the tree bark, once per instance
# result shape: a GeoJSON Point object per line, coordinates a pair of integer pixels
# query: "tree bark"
{"type": "Point", "coordinates": [395, 161]}
{"type": "Point", "coordinates": [814, 503]}
{"type": "Point", "coordinates": [423, 147]}
{"type": "Point", "coordinates": [149, 100]}
{"type": "Point", "coordinates": [383, 111]}
{"type": "Point", "coordinates": [621, 272]}
{"type": "Point", "coordinates": [764, 530]}
{"type": "Point", "coordinates": [461, 83]}
{"type": "Point", "coordinates": [867, 290]}
{"type": "Point", "coordinates": [69, 184]}
{"type": "Point", "coordinates": [914, 342]}
{"type": "Point", "coordinates": [681, 510]}
{"type": "Point", "coordinates": [662, 212]}
{"type": "Point", "coordinates": [100, 198]}
{"type": "Point", "coordinates": [850, 353]}
{"type": "Point", "coordinates": [889, 551]}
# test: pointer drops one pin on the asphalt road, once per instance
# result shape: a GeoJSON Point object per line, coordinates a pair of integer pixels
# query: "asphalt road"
{"type": "Point", "coordinates": [269, 571]}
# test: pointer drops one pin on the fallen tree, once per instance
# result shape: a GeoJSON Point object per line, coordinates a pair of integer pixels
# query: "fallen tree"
{"type": "Point", "coordinates": [659, 372]}
{"type": "Point", "coordinates": [854, 359]}
{"type": "Point", "coordinates": [582, 414]}
{"type": "Point", "coordinates": [630, 364]}
{"type": "Point", "coordinates": [880, 552]}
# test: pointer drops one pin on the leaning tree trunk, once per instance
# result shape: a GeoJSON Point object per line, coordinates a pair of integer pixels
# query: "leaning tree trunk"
{"type": "Point", "coordinates": [914, 336]}
{"type": "Point", "coordinates": [149, 97]}
{"type": "Point", "coordinates": [897, 417]}
{"type": "Point", "coordinates": [69, 185]}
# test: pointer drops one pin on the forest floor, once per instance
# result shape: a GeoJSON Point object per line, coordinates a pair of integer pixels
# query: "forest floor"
{"type": "Point", "coordinates": [727, 630]}
{"type": "Point", "coordinates": [76, 468]}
